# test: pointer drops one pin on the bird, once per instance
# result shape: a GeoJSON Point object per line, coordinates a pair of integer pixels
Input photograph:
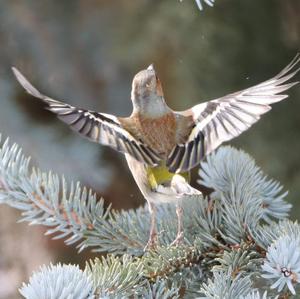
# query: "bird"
{"type": "Point", "coordinates": [161, 145]}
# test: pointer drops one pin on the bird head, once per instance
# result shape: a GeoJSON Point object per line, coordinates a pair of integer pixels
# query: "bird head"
{"type": "Point", "coordinates": [146, 85]}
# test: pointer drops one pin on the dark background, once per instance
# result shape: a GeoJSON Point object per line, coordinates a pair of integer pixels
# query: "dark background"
{"type": "Point", "coordinates": [87, 52]}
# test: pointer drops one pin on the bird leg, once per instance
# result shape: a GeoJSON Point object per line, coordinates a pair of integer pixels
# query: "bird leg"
{"type": "Point", "coordinates": [152, 242]}
{"type": "Point", "coordinates": [179, 238]}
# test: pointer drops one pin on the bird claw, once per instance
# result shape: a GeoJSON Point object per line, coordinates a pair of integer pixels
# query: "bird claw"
{"type": "Point", "coordinates": [178, 240]}
{"type": "Point", "coordinates": [152, 243]}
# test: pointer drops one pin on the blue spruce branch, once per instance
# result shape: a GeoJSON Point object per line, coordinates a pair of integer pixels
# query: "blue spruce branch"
{"type": "Point", "coordinates": [60, 281]}
{"type": "Point", "coordinates": [200, 3]}
{"type": "Point", "coordinates": [237, 239]}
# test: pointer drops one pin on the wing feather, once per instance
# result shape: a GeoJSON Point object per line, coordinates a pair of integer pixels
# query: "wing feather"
{"type": "Point", "coordinates": [222, 119]}
{"type": "Point", "coordinates": [98, 127]}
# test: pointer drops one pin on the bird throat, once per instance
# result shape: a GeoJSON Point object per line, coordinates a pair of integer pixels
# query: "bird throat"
{"type": "Point", "coordinates": [151, 105]}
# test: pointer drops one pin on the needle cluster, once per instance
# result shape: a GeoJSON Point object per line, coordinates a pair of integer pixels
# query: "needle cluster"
{"type": "Point", "coordinates": [238, 241]}
{"type": "Point", "coordinates": [200, 3]}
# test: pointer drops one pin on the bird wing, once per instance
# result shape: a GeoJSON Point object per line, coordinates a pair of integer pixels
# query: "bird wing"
{"type": "Point", "coordinates": [98, 127]}
{"type": "Point", "coordinates": [222, 119]}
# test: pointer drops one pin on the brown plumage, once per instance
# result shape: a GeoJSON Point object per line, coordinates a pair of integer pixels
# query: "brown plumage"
{"type": "Point", "coordinates": [161, 134]}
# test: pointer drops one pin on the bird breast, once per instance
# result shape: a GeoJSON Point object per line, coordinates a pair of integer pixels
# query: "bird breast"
{"type": "Point", "coordinates": [160, 133]}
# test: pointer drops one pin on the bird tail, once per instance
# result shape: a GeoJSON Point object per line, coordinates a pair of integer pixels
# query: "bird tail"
{"type": "Point", "coordinates": [180, 185]}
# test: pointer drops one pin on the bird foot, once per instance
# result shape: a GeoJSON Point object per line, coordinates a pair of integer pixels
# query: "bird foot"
{"type": "Point", "coordinates": [152, 243]}
{"type": "Point", "coordinates": [178, 240]}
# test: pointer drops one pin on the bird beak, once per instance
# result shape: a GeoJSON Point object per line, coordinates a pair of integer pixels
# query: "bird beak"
{"type": "Point", "coordinates": [151, 67]}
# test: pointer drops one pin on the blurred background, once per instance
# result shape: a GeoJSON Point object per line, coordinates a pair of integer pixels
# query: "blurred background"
{"type": "Point", "coordinates": [87, 52]}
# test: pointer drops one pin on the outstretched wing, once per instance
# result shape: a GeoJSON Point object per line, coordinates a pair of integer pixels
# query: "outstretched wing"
{"type": "Point", "coordinates": [98, 127]}
{"type": "Point", "coordinates": [222, 119]}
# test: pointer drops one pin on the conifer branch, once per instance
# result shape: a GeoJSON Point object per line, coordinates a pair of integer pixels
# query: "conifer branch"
{"type": "Point", "coordinates": [234, 238]}
{"type": "Point", "coordinates": [200, 3]}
